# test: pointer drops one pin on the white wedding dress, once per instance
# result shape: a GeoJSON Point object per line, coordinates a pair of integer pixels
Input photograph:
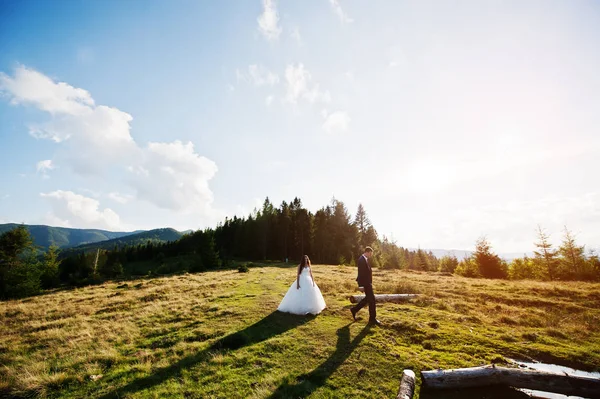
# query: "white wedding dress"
{"type": "Point", "coordinates": [307, 299]}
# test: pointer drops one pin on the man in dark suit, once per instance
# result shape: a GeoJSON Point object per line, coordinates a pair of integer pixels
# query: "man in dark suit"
{"type": "Point", "coordinates": [365, 280]}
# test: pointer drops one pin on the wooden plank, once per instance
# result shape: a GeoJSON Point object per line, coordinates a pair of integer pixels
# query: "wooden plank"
{"type": "Point", "coordinates": [385, 297]}
{"type": "Point", "coordinates": [407, 385]}
{"type": "Point", "coordinates": [565, 384]}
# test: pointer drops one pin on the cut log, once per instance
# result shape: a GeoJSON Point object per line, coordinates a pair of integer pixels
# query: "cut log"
{"type": "Point", "coordinates": [385, 297]}
{"type": "Point", "coordinates": [588, 387]}
{"type": "Point", "coordinates": [407, 385]}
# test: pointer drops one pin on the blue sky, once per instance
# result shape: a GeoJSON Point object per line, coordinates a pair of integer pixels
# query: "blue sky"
{"type": "Point", "coordinates": [447, 120]}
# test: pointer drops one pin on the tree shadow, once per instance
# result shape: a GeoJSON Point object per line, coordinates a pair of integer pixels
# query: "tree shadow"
{"type": "Point", "coordinates": [274, 324]}
{"type": "Point", "coordinates": [308, 383]}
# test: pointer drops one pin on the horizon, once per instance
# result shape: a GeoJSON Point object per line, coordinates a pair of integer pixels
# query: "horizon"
{"type": "Point", "coordinates": [447, 123]}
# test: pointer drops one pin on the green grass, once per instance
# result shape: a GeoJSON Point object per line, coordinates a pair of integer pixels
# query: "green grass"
{"type": "Point", "coordinates": [217, 335]}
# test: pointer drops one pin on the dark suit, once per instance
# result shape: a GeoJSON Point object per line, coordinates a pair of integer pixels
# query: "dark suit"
{"type": "Point", "coordinates": [365, 279]}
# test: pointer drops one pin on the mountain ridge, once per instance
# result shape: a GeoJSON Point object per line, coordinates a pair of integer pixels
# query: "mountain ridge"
{"type": "Point", "coordinates": [68, 238]}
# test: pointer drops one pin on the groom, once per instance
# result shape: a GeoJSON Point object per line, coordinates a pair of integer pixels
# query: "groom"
{"type": "Point", "coordinates": [365, 279]}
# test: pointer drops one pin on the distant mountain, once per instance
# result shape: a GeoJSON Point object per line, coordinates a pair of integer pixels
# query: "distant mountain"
{"type": "Point", "coordinates": [154, 236]}
{"type": "Point", "coordinates": [63, 237]}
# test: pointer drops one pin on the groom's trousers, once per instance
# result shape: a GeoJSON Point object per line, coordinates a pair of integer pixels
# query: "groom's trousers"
{"type": "Point", "coordinates": [370, 299]}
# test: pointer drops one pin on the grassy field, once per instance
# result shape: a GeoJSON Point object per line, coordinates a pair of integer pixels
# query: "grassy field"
{"type": "Point", "coordinates": [217, 334]}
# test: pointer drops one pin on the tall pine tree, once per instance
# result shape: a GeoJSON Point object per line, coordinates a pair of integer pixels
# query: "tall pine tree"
{"type": "Point", "coordinates": [572, 257]}
{"type": "Point", "coordinates": [546, 257]}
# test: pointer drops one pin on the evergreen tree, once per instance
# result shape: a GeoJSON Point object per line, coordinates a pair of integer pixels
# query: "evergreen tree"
{"type": "Point", "coordinates": [448, 264]}
{"type": "Point", "coordinates": [366, 234]}
{"type": "Point", "coordinates": [546, 257]}
{"type": "Point", "coordinates": [19, 270]}
{"type": "Point", "coordinates": [50, 265]}
{"type": "Point", "coordinates": [572, 257]}
{"type": "Point", "coordinates": [283, 226]}
{"type": "Point", "coordinates": [207, 250]}
{"type": "Point", "coordinates": [344, 233]}
{"type": "Point", "coordinates": [468, 268]}
{"type": "Point", "coordinates": [489, 264]}
{"type": "Point", "coordinates": [594, 265]}
{"type": "Point", "coordinates": [422, 263]}
{"type": "Point", "coordinates": [522, 268]}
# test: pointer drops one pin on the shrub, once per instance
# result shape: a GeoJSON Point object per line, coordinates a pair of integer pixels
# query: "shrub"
{"type": "Point", "coordinates": [243, 268]}
{"type": "Point", "coordinates": [448, 264]}
{"type": "Point", "coordinates": [467, 268]}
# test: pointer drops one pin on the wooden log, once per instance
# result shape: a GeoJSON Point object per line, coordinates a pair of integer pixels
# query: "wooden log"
{"type": "Point", "coordinates": [407, 385]}
{"type": "Point", "coordinates": [588, 387]}
{"type": "Point", "coordinates": [385, 297]}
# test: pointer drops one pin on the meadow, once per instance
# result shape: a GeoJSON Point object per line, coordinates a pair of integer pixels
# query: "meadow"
{"type": "Point", "coordinates": [217, 334]}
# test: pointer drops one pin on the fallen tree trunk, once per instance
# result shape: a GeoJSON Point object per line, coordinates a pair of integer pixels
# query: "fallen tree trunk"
{"type": "Point", "coordinates": [565, 384]}
{"type": "Point", "coordinates": [407, 385]}
{"type": "Point", "coordinates": [385, 297]}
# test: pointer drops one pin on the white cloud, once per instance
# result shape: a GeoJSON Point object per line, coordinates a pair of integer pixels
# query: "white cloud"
{"type": "Point", "coordinates": [337, 8]}
{"type": "Point", "coordinates": [44, 166]}
{"type": "Point", "coordinates": [31, 87]}
{"type": "Point", "coordinates": [337, 121]}
{"type": "Point", "coordinates": [75, 210]}
{"type": "Point", "coordinates": [268, 21]}
{"type": "Point", "coordinates": [120, 198]}
{"type": "Point", "coordinates": [299, 86]}
{"type": "Point", "coordinates": [258, 75]}
{"type": "Point", "coordinates": [95, 136]}
{"type": "Point", "coordinates": [96, 139]}
{"type": "Point", "coordinates": [174, 176]}
{"type": "Point", "coordinates": [93, 139]}
{"type": "Point", "coordinates": [269, 100]}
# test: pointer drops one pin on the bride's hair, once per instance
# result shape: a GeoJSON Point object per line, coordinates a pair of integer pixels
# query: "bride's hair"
{"type": "Point", "coordinates": [303, 263]}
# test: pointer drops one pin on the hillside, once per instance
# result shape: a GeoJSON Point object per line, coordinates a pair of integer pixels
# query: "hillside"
{"type": "Point", "coordinates": [64, 237]}
{"type": "Point", "coordinates": [217, 334]}
{"type": "Point", "coordinates": [154, 236]}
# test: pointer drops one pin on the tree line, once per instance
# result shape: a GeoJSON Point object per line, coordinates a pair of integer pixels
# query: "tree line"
{"type": "Point", "coordinates": [331, 235]}
{"type": "Point", "coordinates": [569, 261]}
{"type": "Point", "coordinates": [285, 233]}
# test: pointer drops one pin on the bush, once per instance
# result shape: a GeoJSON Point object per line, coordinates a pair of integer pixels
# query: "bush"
{"type": "Point", "coordinates": [522, 268]}
{"type": "Point", "coordinates": [167, 268]}
{"type": "Point", "coordinates": [467, 268]}
{"type": "Point", "coordinates": [448, 264]}
{"type": "Point", "coordinates": [243, 268]}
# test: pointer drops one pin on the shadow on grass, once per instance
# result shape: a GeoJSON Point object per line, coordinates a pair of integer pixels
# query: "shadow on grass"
{"type": "Point", "coordinates": [274, 324]}
{"type": "Point", "coordinates": [308, 383]}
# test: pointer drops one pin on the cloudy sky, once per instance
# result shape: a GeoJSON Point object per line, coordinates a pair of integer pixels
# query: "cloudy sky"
{"type": "Point", "coordinates": [447, 120]}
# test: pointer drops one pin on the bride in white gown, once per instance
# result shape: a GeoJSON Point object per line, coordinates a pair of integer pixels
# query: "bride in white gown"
{"type": "Point", "coordinates": [304, 296]}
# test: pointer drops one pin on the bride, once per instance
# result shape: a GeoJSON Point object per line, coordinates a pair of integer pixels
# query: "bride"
{"type": "Point", "coordinates": [304, 296]}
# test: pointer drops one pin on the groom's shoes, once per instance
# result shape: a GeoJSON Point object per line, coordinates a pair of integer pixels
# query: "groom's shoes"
{"type": "Point", "coordinates": [374, 322]}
